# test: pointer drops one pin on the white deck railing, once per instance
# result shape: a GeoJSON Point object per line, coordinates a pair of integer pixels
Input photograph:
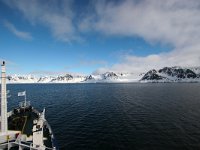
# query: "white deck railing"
{"type": "Point", "coordinates": [17, 143]}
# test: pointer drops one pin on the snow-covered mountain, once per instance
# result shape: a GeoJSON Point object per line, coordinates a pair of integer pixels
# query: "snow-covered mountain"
{"type": "Point", "coordinates": [172, 74]}
{"type": "Point", "coordinates": [21, 79]}
{"type": "Point", "coordinates": [166, 74]}
{"type": "Point", "coordinates": [45, 79]}
{"type": "Point", "coordinates": [111, 77]}
{"type": "Point", "coordinates": [67, 78]}
{"type": "Point", "coordinates": [108, 77]}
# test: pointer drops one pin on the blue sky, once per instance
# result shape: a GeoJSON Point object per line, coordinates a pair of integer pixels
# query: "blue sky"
{"type": "Point", "coordinates": [53, 37]}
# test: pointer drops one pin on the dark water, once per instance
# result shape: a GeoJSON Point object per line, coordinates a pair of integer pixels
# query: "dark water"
{"type": "Point", "coordinates": [119, 116]}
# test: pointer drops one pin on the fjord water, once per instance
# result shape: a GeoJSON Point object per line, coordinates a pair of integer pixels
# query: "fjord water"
{"type": "Point", "coordinates": [118, 116]}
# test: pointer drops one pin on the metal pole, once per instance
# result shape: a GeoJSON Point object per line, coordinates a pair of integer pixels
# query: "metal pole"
{"type": "Point", "coordinates": [25, 98]}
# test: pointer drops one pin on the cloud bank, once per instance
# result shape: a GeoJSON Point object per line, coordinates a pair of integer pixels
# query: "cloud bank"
{"type": "Point", "coordinates": [172, 22]}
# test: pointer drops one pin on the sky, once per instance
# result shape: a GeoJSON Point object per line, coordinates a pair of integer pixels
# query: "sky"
{"type": "Point", "coordinates": [53, 37]}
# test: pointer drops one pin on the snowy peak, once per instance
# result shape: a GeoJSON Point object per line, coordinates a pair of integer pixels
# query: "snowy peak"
{"type": "Point", "coordinates": [171, 74]}
{"type": "Point", "coordinates": [178, 72]}
{"type": "Point", "coordinates": [110, 76]}
{"type": "Point", "coordinates": [105, 77]}
{"type": "Point", "coordinates": [21, 79]}
{"type": "Point", "coordinates": [196, 70]}
{"type": "Point", "coordinates": [66, 77]}
{"type": "Point", "coordinates": [152, 75]}
{"type": "Point", "coordinates": [45, 79]}
{"type": "Point", "coordinates": [89, 78]}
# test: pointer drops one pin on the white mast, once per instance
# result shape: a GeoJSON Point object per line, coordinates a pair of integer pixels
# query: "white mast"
{"type": "Point", "coordinates": [4, 118]}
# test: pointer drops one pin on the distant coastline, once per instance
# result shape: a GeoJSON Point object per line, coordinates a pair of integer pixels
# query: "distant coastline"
{"type": "Point", "coordinates": [164, 75]}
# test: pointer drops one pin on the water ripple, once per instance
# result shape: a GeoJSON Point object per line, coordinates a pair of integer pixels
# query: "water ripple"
{"type": "Point", "coordinates": [118, 116]}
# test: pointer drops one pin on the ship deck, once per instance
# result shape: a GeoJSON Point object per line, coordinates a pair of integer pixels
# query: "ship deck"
{"type": "Point", "coordinates": [22, 120]}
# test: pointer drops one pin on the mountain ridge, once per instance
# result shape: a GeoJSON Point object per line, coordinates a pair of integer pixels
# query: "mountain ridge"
{"type": "Point", "coordinates": [165, 74]}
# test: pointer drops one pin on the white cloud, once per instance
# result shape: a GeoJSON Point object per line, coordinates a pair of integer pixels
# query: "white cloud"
{"type": "Point", "coordinates": [18, 33]}
{"type": "Point", "coordinates": [186, 57]}
{"type": "Point", "coordinates": [55, 15]}
{"type": "Point", "coordinates": [172, 22]}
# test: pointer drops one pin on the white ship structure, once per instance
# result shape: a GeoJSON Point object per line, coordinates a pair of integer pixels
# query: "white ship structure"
{"type": "Point", "coordinates": [23, 128]}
